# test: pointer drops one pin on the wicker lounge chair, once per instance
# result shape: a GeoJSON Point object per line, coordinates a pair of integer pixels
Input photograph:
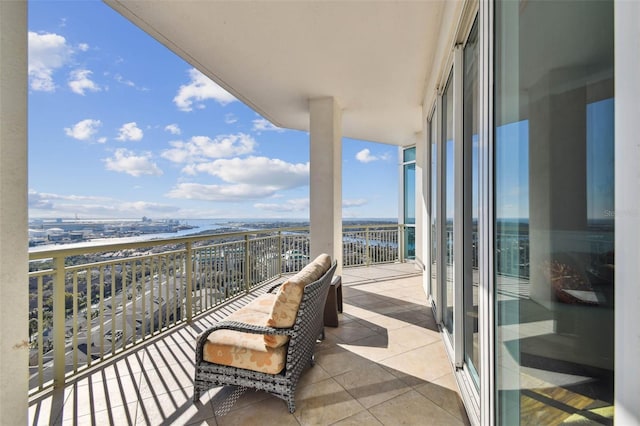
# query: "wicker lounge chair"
{"type": "Point", "coordinates": [302, 337]}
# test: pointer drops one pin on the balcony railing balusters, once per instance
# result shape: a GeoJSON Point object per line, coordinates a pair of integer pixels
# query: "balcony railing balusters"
{"type": "Point", "coordinates": [40, 329]}
{"type": "Point", "coordinates": [58, 323]}
{"type": "Point", "coordinates": [151, 292]}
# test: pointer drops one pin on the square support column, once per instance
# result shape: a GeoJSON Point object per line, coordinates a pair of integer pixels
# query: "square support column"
{"type": "Point", "coordinates": [14, 257]}
{"type": "Point", "coordinates": [326, 178]}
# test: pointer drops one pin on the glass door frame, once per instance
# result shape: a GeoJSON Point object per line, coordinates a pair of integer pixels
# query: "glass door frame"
{"type": "Point", "coordinates": [486, 244]}
{"type": "Point", "coordinates": [478, 401]}
{"type": "Point", "coordinates": [433, 269]}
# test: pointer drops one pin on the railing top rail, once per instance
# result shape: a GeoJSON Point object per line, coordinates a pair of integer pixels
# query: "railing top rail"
{"type": "Point", "coordinates": [36, 253]}
{"type": "Point", "coordinates": [390, 226]}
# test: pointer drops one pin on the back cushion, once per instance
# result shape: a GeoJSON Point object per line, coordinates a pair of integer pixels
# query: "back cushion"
{"type": "Point", "coordinates": [289, 295]}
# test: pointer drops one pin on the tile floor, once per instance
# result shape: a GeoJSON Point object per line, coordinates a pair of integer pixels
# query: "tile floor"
{"type": "Point", "coordinates": [384, 365]}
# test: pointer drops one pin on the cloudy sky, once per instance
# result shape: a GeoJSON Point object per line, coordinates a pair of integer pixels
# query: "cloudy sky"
{"type": "Point", "coordinates": [120, 127]}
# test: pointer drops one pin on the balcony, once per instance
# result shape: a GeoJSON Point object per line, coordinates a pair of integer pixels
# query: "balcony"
{"type": "Point", "coordinates": [385, 363]}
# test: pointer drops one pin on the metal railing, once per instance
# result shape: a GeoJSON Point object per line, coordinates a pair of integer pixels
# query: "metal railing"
{"type": "Point", "coordinates": [89, 304]}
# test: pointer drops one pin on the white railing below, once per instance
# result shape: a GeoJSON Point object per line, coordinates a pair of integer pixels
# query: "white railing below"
{"type": "Point", "coordinates": [110, 297]}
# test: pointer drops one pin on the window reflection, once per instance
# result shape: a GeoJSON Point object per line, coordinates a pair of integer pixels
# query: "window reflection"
{"type": "Point", "coordinates": [554, 225]}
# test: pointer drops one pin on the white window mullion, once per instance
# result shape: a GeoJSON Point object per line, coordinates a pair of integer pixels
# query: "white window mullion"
{"type": "Point", "coordinates": [458, 216]}
{"type": "Point", "coordinates": [486, 298]}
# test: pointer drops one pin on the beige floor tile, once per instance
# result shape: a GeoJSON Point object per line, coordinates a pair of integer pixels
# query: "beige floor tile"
{"type": "Point", "coordinates": [411, 408]}
{"type": "Point", "coordinates": [174, 408]}
{"type": "Point", "coordinates": [269, 411]}
{"type": "Point", "coordinates": [385, 345]}
{"type": "Point", "coordinates": [444, 393]}
{"type": "Point", "coordinates": [165, 379]}
{"type": "Point", "coordinates": [249, 397]}
{"type": "Point", "coordinates": [363, 418]}
{"type": "Point", "coordinates": [412, 337]}
{"type": "Point", "coordinates": [46, 410]}
{"type": "Point", "coordinates": [92, 397]}
{"type": "Point", "coordinates": [386, 322]}
{"type": "Point", "coordinates": [165, 356]}
{"type": "Point", "coordinates": [337, 360]}
{"type": "Point", "coordinates": [372, 385]}
{"type": "Point", "coordinates": [357, 312]}
{"type": "Point", "coordinates": [123, 415]}
{"type": "Point", "coordinates": [351, 332]}
{"type": "Point", "coordinates": [313, 375]}
{"type": "Point", "coordinates": [426, 363]}
{"type": "Point", "coordinates": [374, 348]}
{"type": "Point", "coordinates": [325, 403]}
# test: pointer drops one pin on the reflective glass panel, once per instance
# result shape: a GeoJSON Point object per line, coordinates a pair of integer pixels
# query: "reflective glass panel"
{"type": "Point", "coordinates": [471, 204]}
{"type": "Point", "coordinates": [449, 200]}
{"type": "Point", "coordinates": [554, 203]}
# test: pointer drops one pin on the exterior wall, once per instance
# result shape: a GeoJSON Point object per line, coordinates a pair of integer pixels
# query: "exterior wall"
{"type": "Point", "coordinates": [627, 215]}
{"type": "Point", "coordinates": [14, 259]}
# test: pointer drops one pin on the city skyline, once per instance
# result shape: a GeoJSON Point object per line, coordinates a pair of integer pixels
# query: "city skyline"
{"type": "Point", "coordinates": [120, 127]}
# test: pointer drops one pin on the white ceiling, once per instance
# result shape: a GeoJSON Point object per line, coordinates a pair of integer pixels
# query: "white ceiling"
{"type": "Point", "coordinates": [373, 57]}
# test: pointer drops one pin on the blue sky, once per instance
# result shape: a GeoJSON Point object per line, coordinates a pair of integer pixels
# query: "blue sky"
{"type": "Point", "coordinates": [120, 127]}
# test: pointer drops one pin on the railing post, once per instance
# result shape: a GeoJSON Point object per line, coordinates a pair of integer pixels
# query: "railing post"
{"type": "Point", "coordinates": [279, 253]}
{"type": "Point", "coordinates": [59, 314]}
{"type": "Point", "coordinates": [246, 269]}
{"type": "Point", "coordinates": [189, 289]}
{"type": "Point", "coordinates": [401, 243]}
{"type": "Point", "coordinates": [367, 247]}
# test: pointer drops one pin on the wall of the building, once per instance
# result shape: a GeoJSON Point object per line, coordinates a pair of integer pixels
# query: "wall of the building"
{"type": "Point", "coordinates": [627, 212]}
{"type": "Point", "coordinates": [14, 348]}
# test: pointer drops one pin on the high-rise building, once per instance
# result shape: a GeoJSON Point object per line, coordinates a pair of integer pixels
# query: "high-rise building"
{"type": "Point", "coordinates": [517, 122]}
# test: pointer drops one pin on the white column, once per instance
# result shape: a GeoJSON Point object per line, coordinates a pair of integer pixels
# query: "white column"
{"type": "Point", "coordinates": [14, 258]}
{"type": "Point", "coordinates": [326, 178]}
{"type": "Point", "coordinates": [627, 213]}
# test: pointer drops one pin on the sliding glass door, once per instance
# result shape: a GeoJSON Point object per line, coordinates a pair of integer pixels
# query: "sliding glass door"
{"type": "Point", "coordinates": [471, 204]}
{"type": "Point", "coordinates": [448, 200]}
{"type": "Point", "coordinates": [554, 204]}
{"type": "Point", "coordinates": [454, 198]}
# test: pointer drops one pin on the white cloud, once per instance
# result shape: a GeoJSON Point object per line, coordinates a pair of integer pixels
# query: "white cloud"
{"type": "Point", "coordinates": [174, 129]}
{"type": "Point", "coordinates": [203, 148]}
{"type": "Point", "coordinates": [79, 81]}
{"type": "Point", "coordinates": [84, 130]}
{"type": "Point", "coordinates": [199, 89]}
{"type": "Point", "coordinates": [227, 193]}
{"type": "Point", "coordinates": [245, 179]}
{"type": "Point", "coordinates": [83, 47]}
{"type": "Point", "coordinates": [264, 125]}
{"type": "Point", "coordinates": [258, 171]}
{"type": "Point", "coordinates": [354, 203]}
{"type": "Point", "coordinates": [130, 132]}
{"type": "Point", "coordinates": [294, 205]}
{"type": "Point", "coordinates": [230, 118]}
{"type": "Point", "coordinates": [57, 205]}
{"type": "Point", "coordinates": [47, 53]}
{"type": "Point", "coordinates": [103, 139]}
{"type": "Point", "coordinates": [39, 201]}
{"type": "Point", "coordinates": [365, 156]}
{"type": "Point", "coordinates": [126, 161]}
{"type": "Point", "coordinates": [120, 79]}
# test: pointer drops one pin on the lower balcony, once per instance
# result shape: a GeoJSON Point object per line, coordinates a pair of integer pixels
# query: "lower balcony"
{"type": "Point", "coordinates": [384, 364]}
